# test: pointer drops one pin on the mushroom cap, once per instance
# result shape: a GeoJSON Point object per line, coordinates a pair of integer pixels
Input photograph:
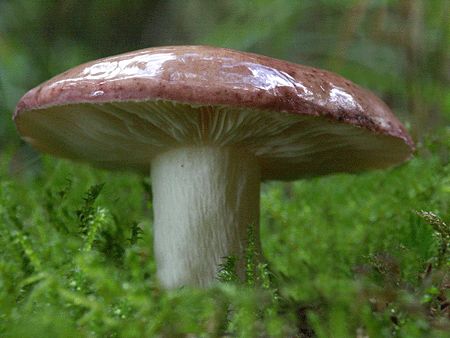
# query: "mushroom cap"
{"type": "Point", "coordinates": [122, 111]}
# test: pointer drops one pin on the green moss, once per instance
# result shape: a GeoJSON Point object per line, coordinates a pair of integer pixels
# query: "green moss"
{"type": "Point", "coordinates": [345, 256]}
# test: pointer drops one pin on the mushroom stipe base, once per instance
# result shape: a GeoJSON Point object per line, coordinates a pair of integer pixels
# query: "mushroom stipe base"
{"type": "Point", "coordinates": [204, 199]}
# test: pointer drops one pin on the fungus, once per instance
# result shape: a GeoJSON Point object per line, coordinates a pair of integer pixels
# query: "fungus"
{"type": "Point", "coordinates": [209, 124]}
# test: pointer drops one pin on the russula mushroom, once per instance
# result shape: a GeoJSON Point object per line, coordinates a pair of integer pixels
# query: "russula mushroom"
{"type": "Point", "coordinates": [209, 124]}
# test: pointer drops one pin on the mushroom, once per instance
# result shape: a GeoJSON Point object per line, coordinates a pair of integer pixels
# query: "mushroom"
{"type": "Point", "coordinates": [209, 124]}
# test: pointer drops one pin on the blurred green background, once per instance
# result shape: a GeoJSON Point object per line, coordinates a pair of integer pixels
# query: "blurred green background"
{"type": "Point", "coordinates": [399, 49]}
{"type": "Point", "coordinates": [347, 252]}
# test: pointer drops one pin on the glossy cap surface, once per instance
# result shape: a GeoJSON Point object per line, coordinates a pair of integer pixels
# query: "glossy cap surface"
{"type": "Point", "coordinates": [121, 111]}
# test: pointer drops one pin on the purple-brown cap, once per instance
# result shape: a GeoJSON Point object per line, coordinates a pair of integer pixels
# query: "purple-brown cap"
{"type": "Point", "coordinates": [122, 111]}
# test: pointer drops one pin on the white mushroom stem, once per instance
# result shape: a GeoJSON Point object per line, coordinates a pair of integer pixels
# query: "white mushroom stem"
{"type": "Point", "coordinates": [204, 199]}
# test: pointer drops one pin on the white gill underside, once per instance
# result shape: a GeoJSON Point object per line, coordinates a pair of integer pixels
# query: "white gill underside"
{"type": "Point", "coordinates": [130, 134]}
{"type": "Point", "coordinates": [147, 128]}
{"type": "Point", "coordinates": [264, 133]}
